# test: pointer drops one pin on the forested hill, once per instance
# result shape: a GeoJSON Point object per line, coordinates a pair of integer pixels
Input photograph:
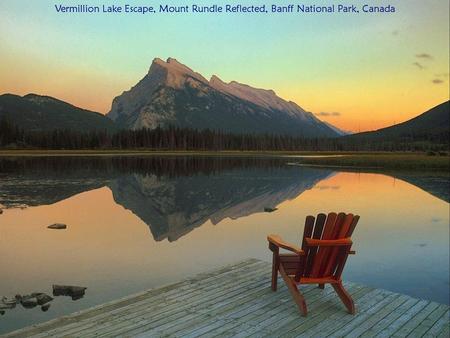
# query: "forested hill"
{"type": "Point", "coordinates": [44, 113]}
{"type": "Point", "coordinates": [432, 126]}
{"type": "Point", "coordinates": [427, 132]}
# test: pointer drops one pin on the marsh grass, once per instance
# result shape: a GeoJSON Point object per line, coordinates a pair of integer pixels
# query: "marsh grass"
{"type": "Point", "coordinates": [386, 160]}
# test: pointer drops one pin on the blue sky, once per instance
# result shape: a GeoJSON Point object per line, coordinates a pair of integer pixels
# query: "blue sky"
{"type": "Point", "coordinates": [373, 69]}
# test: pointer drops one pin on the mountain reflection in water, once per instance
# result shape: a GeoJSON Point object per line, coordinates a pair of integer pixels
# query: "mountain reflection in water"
{"type": "Point", "coordinates": [172, 207]}
{"type": "Point", "coordinates": [172, 195]}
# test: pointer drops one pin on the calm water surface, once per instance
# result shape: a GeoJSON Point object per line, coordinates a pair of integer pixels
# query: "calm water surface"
{"type": "Point", "coordinates": [138, 223]}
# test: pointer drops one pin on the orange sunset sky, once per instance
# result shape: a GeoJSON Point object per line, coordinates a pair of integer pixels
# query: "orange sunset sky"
{"type": "Point", "coordinates": [358, 72]}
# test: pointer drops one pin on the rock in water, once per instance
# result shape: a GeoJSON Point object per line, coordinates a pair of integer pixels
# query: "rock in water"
{"type": "Point", "coordinates": [28, 302]}
{"type": "Point", "coordinates": [45, 307]}
{"type": "Point", "coordinates": [57, 226]}
{"type": "Point", "coordinates": [76, 292]}
{"type": "Point", "coordinates": [43, 298]}
{"type": "Point", "coordinates": [9, 301]}
{"type": "Point", "coordinates": [268, 209]}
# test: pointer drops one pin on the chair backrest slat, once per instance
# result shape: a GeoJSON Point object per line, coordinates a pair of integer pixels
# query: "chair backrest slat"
{"type": "Point", "coordinates": [327, 251]}
{"type": "Point", "coordinates": [309, 227]}
{"type": "Point", "coordinates": [342, 256]}
{"type": "Point", "coordinates": [346, 222]}
{"type": "Point", "coordinates": [307, 233]}
{"type": "Point", "coordinates": [317, 234]}
{"type": "Point", "coordinates": [321, 252]}
{"type": "Point", "coordinates": [352, 226]}
{"type": "Point", "coordinates": [326, 261]}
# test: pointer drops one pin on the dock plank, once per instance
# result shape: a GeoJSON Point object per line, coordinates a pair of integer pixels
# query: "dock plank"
{"type": "Point", "coordinates": [112, 320]}
{"type": "Point", "coordinates": [386, 321]}
{"type": "Point", "coordinates": [403, 319]}
{"type": "Point", "coordinates": [406, 329]}
{"type": "Point", "coordinates": [439, 326]}
{"type": "Point", "coordinates": [236, 301]}
{"type": "Point", "coordinates": [429, 321]}
{"type": "Point", "coordinates": [320, 315]}
{"type": "Point", "coordinates": [296, 327]}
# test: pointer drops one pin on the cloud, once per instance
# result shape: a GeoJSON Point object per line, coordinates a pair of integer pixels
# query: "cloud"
{"type": "Point", "coordinates": [437, 81]}
{"type": "Point", "coordinates": [418, 65]}
{"type": "Point", "coordinates": [424, 56]}
{"type": "Point", "coordinates": [328, 114]}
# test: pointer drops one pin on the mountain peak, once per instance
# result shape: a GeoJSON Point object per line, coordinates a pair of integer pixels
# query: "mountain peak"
{"type": "Point", "coordinates": [35, 96]}
{"type": "Point", "coordinates": [174, 61]}
{"type": "Point", "coordinates": [176, 72]}
{"type": "Point", "coordinates": [171, 63]}
{"type": "Point", "coordinates": [173, 94]}
{"type": "Point", "coordinates": [215, 79]}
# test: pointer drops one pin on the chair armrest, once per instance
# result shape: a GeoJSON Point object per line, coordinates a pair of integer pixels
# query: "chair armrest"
{"type": "Point", "coordinates": [277, 241]}
{"type": "Point", "coordinates": [328, 242]}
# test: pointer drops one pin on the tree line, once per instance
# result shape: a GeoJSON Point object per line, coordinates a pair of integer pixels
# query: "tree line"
{"type": "Point", "coordinates": [110, 167]}
{"type": "Point", "coordinates": [176, 138]}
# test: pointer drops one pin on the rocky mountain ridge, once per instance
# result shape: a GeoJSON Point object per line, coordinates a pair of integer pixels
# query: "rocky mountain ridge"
{"type": "Point", "coordinates": [173, 94]}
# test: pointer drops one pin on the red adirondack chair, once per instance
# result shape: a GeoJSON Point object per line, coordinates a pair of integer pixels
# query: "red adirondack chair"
{"type": "Point", "coordinates": [321, 259]}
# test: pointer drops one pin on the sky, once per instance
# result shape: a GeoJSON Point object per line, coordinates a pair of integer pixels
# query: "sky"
{"type": "Point", "coordinates": [358, 72]}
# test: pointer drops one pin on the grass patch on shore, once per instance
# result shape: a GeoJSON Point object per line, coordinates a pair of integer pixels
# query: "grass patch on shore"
{"type": "Point", "coordinates": [384, 160]}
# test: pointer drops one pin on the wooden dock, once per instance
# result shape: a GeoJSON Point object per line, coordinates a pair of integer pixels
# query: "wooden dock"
{"type": "Point", "coordinates": [236, 301]}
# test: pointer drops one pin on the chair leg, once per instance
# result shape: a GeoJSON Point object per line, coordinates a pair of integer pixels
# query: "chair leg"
{"type": "Point", "coordinates": [345, 297]}
{"type": "Point", "coordinates": [322, 286]}
{"type": "Point", "coordinates": [296, 294]}
{"type": "Point", "coordinates": [275, 265]}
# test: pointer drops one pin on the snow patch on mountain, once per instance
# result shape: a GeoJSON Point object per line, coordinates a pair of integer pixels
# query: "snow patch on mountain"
{"type": "Point", "coordinates": [173, 94]}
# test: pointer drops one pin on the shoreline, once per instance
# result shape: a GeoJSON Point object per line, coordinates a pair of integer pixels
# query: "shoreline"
{"type": "Point", "coordinates": [4, 152]}
{"type": "Point", "coordinates": [220, 153]}
{"type": "Point", "coordinates": [343, 160]}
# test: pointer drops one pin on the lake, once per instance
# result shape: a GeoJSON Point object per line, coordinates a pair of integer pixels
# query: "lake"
{"type": "Point", "coordinates": [138, 223]}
